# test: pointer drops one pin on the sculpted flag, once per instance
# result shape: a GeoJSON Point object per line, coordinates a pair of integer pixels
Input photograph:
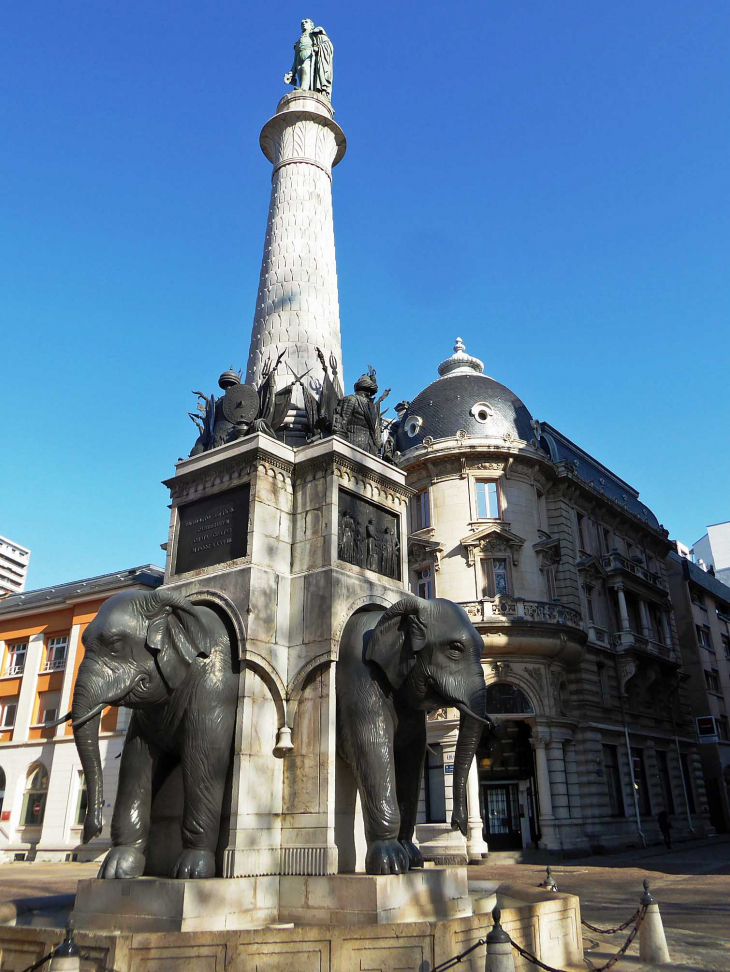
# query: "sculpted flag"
{"type": "Point", "coordinates": [322, 80]}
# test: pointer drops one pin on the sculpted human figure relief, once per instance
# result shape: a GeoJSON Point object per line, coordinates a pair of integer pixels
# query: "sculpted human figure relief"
{"type": "Point", "coordinates": [312, 67]}
{"type": "Point", "coordinates": [172, 662]}
{"type": "Point", "coordinates": [394, 667]}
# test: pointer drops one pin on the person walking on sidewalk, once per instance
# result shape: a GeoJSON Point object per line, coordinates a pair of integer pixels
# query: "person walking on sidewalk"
{"type": "Point", "coordinates": [665, 825]}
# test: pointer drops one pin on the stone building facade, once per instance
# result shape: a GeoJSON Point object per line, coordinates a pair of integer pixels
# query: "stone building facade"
{"type": "Point", "coordinates": [564, 572]}
{"type": "Point", "coordinates": [702, 610]}
{"type": "Point", "coordinates": [42, 792]}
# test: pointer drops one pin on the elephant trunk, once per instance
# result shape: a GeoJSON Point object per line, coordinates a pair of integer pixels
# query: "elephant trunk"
{"type": "Point", "coordinates": [86, 737]}
{"type": "Point", "coordinates": [470, 731]}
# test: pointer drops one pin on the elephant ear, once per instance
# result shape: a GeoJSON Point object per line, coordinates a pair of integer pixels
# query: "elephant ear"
{"type": "Point", "coordinates": [398, 637]}
{"type": "Point", "coordinates": [176, 634]}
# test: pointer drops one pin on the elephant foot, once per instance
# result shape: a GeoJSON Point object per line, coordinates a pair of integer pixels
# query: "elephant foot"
{"type": "Point", "coordinates": [386, 857]}
{"type": "Point", "coordinates": [122, 862]}
{"type": "Point", "coordinates": [415, 858]}
{"type": "Point", "coordinates": [194, 863]}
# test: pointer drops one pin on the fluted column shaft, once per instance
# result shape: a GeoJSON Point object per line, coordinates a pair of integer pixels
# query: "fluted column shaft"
{"type": "Point", "coordinates": [297, 306]}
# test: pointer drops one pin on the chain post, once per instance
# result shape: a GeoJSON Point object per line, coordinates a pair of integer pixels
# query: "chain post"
{"type": "Point", "coordinates": [549, 883]}
{"type": "Point", "coordinates": [500, 957]}
{"type": "Point", "coordinates": [652, 940]}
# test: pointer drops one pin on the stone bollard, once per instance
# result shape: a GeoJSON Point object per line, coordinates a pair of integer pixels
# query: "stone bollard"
{"type": "Point", "coordinates": [652, 941]}
{"type": "Point", "coordinates": [549, 883]}
{"type": "Point", "coordinates": [499, 947]}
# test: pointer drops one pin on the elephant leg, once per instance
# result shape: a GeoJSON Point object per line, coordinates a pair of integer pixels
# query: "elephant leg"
{"type": "Point", "coordinates": [131, 818]}
{"type": "Point", "coordinates": [367, 745]}
{"type": "Point", "coordinates": [205, 765]}
{"type": "Point", "coordinates": [409, 746]}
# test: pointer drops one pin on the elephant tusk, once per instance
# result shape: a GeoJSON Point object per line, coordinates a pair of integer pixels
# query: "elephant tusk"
{"type": "Point", "coordinates": [57, 722]}
{"type": "Point", "coordinates": [472, 715]}
{"type": "Point", "coordinates": [88, 716]}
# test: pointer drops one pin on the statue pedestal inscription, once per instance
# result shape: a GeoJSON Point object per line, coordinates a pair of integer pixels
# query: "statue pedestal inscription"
{"type": "Point", "coordinates": [286, 544]}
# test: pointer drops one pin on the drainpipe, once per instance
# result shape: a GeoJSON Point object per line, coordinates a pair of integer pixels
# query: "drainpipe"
{"type": "Point", "coordinates": [631, 761]}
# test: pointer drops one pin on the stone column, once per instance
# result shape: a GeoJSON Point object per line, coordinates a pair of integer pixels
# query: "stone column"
{"type": "Point", "coordinates": [547, 817]}
{"type": "Point", "coordinates": [558, 782]}
{"type": "Point", "coordinates": [666, 629]}
{"type": "Point", "coordinates": [646, 628]}
{"type": "Point", "coordinates": [572, 778]}
{"type": "Point", "coordinates": [297, 307]}
{"type": "Point", "coordinates": [622, 609]}
{"type": "Point", "coordinates": [476, 846]}
{"type": "Point", "coordinates": [27, 697]}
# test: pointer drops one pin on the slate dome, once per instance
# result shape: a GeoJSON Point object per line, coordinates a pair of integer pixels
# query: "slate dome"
{"type": "Point", "coordinates": [463, 398]}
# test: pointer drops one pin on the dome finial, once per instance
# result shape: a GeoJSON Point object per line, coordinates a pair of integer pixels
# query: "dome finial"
{"type": "Point", "coordinates": [460, 363]}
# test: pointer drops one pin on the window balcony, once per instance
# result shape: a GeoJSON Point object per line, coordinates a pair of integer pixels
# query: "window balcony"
{"type": "Point", "coordinates": [615, 562]}
{"type": "Point", "coordinates": [630, 639]}
{"type": "Point", "coordinates": [503, 606]}
{"type": "Point", "coordinates": [15, 669]}
{"type": "Point", "coordinates": [55, 665]}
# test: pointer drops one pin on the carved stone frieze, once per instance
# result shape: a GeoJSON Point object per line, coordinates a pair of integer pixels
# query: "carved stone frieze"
{"type": "Point", "coordinates": [230, 472]}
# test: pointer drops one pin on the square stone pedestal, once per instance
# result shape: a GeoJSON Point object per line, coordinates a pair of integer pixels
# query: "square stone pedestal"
{"type": "Point", "coordinates": [432, 894]}
{"type": "Point", "coordinates": [161, 904]}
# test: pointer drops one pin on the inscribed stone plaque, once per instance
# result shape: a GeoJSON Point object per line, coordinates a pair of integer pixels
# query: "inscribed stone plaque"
{"type": "Point", "coordinates": [368, 535]}
{"type": "Point", "coordinates": [212, 530]}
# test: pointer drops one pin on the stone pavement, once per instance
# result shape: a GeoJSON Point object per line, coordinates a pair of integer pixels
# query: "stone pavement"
{"type": "Point", "coordinates": [691, 885]}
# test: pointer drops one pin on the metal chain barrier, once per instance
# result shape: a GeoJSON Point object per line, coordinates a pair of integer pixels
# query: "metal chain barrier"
{"type": "Point", "coordinates": [637, 917]}
{"type": "Point", "coordinates": [611, 931]}
{"type": "Point", "coordinates": [450, 963]}
{"type": "Point", "coordinates": [37, 965]}
{"type": "Point", "coordinates": [601, 968]}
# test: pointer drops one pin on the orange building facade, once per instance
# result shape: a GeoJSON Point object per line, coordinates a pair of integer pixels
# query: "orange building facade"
{"type": "Point", "coordinates": [42, 791]}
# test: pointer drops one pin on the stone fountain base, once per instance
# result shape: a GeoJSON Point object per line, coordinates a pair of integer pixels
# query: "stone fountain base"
{"type": "Point", "coordinates": [546, 923]}
{"type": "Point", "coordinates": [159, 904]}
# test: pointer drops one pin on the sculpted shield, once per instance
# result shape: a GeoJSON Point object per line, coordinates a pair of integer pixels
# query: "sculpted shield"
{"type": "Point", "coordinates": [241, 404]}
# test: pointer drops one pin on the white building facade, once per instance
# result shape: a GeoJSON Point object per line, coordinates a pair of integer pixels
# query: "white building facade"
{"type": "Point", "coordinates": [562, 571]}
{"type": "Point", "coordinates": [14, 560]}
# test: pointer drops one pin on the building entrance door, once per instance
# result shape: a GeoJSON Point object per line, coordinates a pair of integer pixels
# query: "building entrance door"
{"type": "Point", "coordinates": [501, 816]}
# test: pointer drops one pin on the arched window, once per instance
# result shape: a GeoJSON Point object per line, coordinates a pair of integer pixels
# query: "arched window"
{"type": "Point", "coordinates": [507, 699]}
{"type": "Point", "coordinates": [36, 792]}
{"type": "Point", "coordinates": [2, 787]}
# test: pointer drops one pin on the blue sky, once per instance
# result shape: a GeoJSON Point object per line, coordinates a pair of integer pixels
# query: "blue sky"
{"type": "Point", "coordinates": [548, 180]}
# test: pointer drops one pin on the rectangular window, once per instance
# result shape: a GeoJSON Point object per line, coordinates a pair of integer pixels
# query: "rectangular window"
{"type": "Point", "coordinates": [723, 730]}
{"type": "Point", "coordinates": [16, 658]}
{"type": "Point", "coordinates": [495, 577]}
{"type": "Point", "coordinates": [424, 583]}
{"type": "Point", "coordinates": [603, 687]}
{"type": "Point", "coordinates": [81, 801]}
{"type": "Point", "coordinates": [640, 782]}
{"type": "Point", "coordinates": [686, 776]}
{"type": "Point", "coordinates": [8, 712]}
{"type": "Point", "coordinates": [703, 637]}
{"type": "Point", "coordinates": [613, 781]}
{"type": "Point", "coordinates": [582, 538]}
{"type": "Point", "coordinates": [56, 654]}
{"type": "Point", "coordinates": [47, 707]}
{"type": "Point", "coordinates": [589, 602]}
{"type": "Point", "coordinates": [606, 535]}
{"type": "Point", "coordinates": [712, 680]}
{"type": "Point", "coordinates": [435, 785]}
{"type": "Point", "coordinates": [665, 780]}
{"type": "Point", "coordinates": [487, 493]}
{"type": "Point", "coordinates": [725, 645]}
{"type": "Point", "coordinates": [420, 511]}
{"type": "Point", "coordinates": [542, 520]}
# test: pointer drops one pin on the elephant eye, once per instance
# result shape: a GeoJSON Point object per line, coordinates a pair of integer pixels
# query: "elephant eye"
{"type": "Point", "coordinates": [456, 648]}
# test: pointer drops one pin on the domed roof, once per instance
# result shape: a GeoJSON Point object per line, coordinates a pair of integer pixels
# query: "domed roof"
{"type": "Point", "coordinates": [463, 398]}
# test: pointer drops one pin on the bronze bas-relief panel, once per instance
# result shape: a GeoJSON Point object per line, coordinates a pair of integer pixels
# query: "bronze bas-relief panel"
{"type": "Point", "coordinates": [213, 530]}
{"type": "Point", "coordinates": [368, 535]}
